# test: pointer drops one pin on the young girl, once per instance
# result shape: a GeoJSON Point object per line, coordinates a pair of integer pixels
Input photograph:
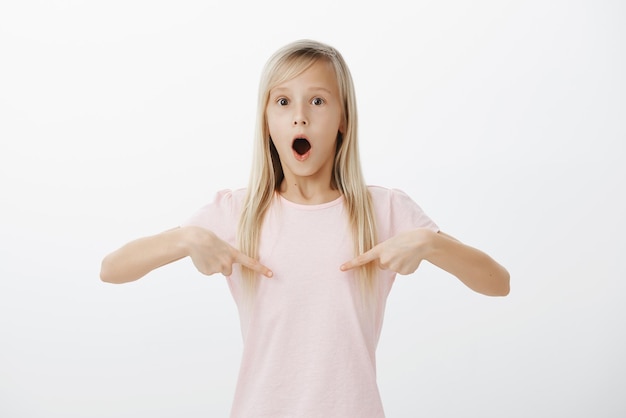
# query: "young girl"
{"type": "Point", "coordinates": [309, 251]}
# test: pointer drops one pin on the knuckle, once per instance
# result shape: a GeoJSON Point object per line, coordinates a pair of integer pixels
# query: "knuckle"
{"type": "Point", "coordinates": [207, 271]}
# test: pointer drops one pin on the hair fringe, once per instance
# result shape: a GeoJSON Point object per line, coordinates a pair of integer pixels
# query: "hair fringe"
{"type": "Point", "coordinates": [267, 175]}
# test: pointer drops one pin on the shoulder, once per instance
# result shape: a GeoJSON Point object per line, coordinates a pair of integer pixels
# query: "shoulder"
{"type": "Point", "coordinates": [224, 208]}
{"type": "Point", "coordinates": [396, 211]}
{"type": "Point", "coordinates": [383, 196]}
{"type": "Point", "coordinates": [230, 198]}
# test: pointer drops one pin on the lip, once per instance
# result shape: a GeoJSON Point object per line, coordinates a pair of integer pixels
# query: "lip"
{"type": "Point", "coordinates": [307, 154]}
{"type": "Point", "coordinates": [302, 157]}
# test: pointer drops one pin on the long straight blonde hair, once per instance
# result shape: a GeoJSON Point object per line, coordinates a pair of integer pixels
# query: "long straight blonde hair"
{"type": "Point", "coordinates": [267, 173]}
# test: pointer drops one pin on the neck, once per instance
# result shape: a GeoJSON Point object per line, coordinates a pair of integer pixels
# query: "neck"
{"type": "Point", "coordinates": [306, 192]}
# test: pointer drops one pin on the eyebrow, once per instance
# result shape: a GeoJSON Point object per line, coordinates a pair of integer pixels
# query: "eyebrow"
{"type": "Point", "coordinates": [310, 89]}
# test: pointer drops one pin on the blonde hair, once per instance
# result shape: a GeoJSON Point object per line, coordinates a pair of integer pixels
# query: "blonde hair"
{"type": "Point", "coordinates": [267, 173]}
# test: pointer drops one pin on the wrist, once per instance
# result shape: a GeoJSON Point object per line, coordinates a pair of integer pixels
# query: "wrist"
{"type": "Point", "coordinates": [427, 242]}
{"type": "Point", "coordinates": [181, 239]}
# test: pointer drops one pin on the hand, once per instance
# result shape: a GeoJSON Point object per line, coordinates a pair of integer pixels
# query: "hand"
{"type": "Point", "coordinates": [212, 255]}
{"type": "Point", "coordinates": [402, 253]}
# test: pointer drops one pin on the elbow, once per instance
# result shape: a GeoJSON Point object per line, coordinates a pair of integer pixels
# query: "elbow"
{"type": "Point", "coordinates": [503, 291]}
{"type": "Point", "coordinates": [107, 272]}
{"type": "Point", "coordinates": [507, 283]}
{"type": "Point", "coordinates": [500, 290]}
{"type": "Point", "coordinates": [112, 272]}
{"type": "Point", "coordinates": [494, 285]}
{"type": "Point", "coordinates": [503, 287]}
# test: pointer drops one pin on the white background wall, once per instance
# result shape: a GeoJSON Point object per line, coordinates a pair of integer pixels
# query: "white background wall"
{"type": "Point", "coordinates": [504, 120]}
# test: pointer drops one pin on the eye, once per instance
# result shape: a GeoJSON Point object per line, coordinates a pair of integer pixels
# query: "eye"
{"type": "Point", "coordinates": [318, 101]}
{"type": "Point", "coordinates": [282, 101]}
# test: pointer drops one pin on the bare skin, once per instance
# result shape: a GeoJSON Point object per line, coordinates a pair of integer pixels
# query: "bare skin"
{"type": "Point", "coordinates": [208, 253]}
{"type": "Point", "coordinates": [404, 253]}
{"type": "Point", "coordinates": [307, 106]}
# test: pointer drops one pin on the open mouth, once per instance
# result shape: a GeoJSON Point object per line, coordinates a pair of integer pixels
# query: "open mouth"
{"type": "Point", "coordinates": [301, 146]}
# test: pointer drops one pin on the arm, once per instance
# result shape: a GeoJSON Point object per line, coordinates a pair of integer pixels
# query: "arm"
{"type": "Point", "coordinates": [404, 252]}
{"type": "Point", "coordinates": [209, 254]}
{"type": "Point", "coordinates": [473, 267]}
{"type": "Point", "coordinates": [139, 257]}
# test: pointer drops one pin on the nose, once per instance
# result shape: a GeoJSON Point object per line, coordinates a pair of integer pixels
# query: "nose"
{"type": "Point", "coordinates": [300, 117]}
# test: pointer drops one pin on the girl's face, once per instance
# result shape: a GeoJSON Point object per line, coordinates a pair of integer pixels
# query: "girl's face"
{"type": "Point", "coordinates": [304, 117]}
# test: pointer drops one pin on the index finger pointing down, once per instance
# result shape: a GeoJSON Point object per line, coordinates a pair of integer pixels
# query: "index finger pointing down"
{"type": "Point", "coordinates": [360, 260]}
{"type": "Point", "coordinates": [252, 264]}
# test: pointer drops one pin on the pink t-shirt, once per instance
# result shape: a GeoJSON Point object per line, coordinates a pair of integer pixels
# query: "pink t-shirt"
{"type": "Point", "coordinates": [309, 345]}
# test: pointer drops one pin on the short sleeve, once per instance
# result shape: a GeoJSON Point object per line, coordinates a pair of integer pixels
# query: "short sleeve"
{"type": "Point", "coordinates": [396, 212]}
{"type": "Point", "coordinates": [221, 216]}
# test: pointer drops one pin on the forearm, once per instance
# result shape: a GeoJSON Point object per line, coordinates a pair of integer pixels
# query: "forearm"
{"type": "Point", "coordinates": [474, 268]}
{"type": "Point", "coordinates": [137, 258]}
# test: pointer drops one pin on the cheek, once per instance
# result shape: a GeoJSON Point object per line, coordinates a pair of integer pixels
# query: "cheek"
{"type": "Point", "coordinates": [273, 123]}
{"type": "Point", "coordinates": [271, 129]}
{"type": "Point", "coordinates": [276, 137]}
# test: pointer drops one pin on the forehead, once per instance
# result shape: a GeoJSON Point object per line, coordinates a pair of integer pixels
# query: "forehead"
{"type": "Point", "coordinates": [319, 75]}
